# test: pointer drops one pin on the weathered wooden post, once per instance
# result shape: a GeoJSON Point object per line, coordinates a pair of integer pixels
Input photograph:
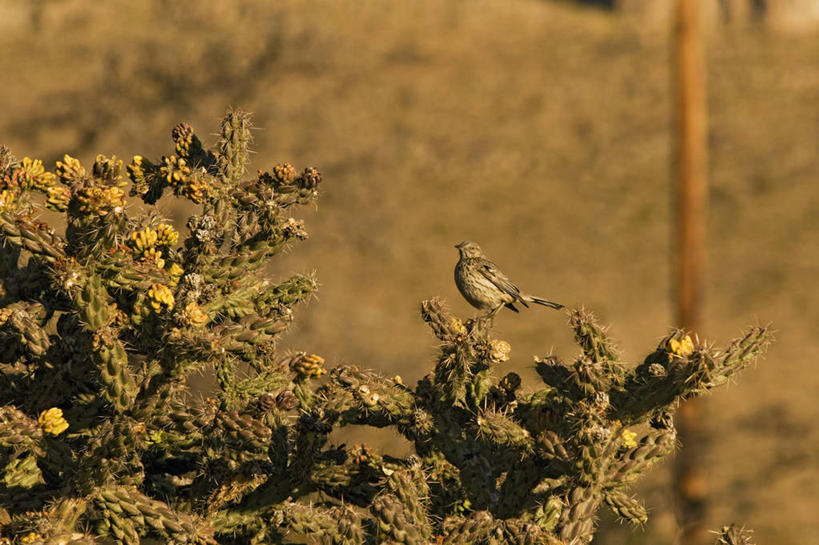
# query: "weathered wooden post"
{"type": "Point", "coordinates": [691, 156]}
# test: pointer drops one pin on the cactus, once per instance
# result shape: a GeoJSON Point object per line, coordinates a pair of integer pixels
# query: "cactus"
{"type": "Point", "coordinates": [100, 435]}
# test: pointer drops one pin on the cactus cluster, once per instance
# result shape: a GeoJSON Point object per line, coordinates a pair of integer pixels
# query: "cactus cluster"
{"type": "Point", "coordinates": [101, 437]}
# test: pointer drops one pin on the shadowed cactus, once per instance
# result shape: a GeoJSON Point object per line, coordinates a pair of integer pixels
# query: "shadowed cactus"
{"type": "Point", "coordinates": [101, 436]}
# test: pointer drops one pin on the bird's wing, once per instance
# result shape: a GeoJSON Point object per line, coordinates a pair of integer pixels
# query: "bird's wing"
{"type": "Point", "coordinates": [494, 275]}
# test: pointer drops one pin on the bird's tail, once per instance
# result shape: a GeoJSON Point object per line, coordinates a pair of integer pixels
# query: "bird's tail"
{"type": "Point", "coordinates": [544, 302]}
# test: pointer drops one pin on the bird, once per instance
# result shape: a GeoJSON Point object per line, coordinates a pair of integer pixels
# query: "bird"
{"type": "Point", "coordinates": [485, 287]}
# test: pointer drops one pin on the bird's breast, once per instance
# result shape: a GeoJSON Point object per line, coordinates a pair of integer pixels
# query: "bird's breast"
{"type": "Point", "coordinates": [478, 290]}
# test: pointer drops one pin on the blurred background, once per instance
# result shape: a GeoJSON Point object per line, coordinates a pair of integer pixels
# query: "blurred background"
{"type": "Point", "coordinates": [540, 129]}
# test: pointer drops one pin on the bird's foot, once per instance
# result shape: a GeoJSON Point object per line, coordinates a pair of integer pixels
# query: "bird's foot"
{"type": "Point", "coordinates": [481, 321]}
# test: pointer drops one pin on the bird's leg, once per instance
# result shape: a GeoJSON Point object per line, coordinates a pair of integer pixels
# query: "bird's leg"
{"type": "Point", "coordinates": [481, 321]}
{"type": "Point", "coordinates": [489, 317]}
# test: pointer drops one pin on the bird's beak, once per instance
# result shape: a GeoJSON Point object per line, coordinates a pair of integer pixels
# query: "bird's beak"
{"type": "Point", "coordinates": [459, 245]}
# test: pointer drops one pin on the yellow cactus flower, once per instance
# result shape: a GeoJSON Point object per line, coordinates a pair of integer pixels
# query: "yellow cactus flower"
{"type": "Point", "coordinates": [195, 315]}
{"type": "Point", "coordinates": [463, 506]}
{"type": "Point", "coordinates": [31, 537]}
{"type": "Point", "coordinates": [58, 198]}
{"type": "Point", "coordinates": [175, 270]}
{"type": "Point", "coordinates": [683, 348]}
{"type": "Point", "coordinates": [154, 437]}
{"type": "Point", "coordinates": [629, 438]}
{"type": "Point", "coordinates": [196, 190]}
{"type": "Point", "coordinates": [88, 199]}
{"type": "Point", "coordinates": [154, 256]}
{"type": "Point", "coordinates": [136, 169]}
{"type": "Point", "coordinates": [32, 167]}
{"type": "Point", "coordinates": [458, 325]}
{"type": "Point", "coordinates": [174, 170]}
{"type": "Point", "coordinates": [69, 169]}
{"type": "Point", "coordinates": [52, 421]}
{"type": "Point", "coordinates": [160, 297]}
{"type": "Point", "coordinates": [398, 380]}
{"type": "Point", "coordinates": [34, 175]}
{"type": "Point", "coordinates": [166, 235]}
{"type": "Point", "coordinates": [115, 197]}
{"type": "Point", "coordinates": [100, 200]}
{"type": "Point", "coordinates": [7, 198]}
{"type": "Point", "coordinates": [144, 240]}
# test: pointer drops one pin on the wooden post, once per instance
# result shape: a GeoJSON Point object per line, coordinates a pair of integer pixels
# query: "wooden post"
{"type": "Point", "coordinates": [691, 156]}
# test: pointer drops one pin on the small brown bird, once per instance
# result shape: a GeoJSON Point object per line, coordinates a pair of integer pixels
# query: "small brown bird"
{"type": "Point", "coordinates": [485, 287]}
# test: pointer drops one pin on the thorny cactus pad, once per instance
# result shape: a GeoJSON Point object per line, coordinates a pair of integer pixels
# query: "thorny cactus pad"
{"type": "Point", "coordinates": [100, 435]}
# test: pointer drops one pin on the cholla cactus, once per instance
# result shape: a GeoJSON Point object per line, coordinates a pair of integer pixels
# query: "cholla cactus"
{"type": "Point", "coordinates": [100, 436]}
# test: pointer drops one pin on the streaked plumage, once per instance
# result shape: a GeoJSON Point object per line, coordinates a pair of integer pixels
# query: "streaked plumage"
{"type": "Point", "coordinates": [485, 287]}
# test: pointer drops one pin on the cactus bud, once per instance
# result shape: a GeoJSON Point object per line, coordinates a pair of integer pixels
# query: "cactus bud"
{"type": "Point", "coordinates": [284, 173]}
{"type": "Point", "coordinates": [308, 366]}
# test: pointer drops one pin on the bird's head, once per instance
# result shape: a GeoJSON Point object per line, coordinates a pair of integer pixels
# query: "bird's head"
{"type": "Point", "coordinates": [469, 249]}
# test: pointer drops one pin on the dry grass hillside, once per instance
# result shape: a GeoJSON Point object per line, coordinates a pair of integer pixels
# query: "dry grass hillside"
{"type": "Point", "coordinates": [539, 129]}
